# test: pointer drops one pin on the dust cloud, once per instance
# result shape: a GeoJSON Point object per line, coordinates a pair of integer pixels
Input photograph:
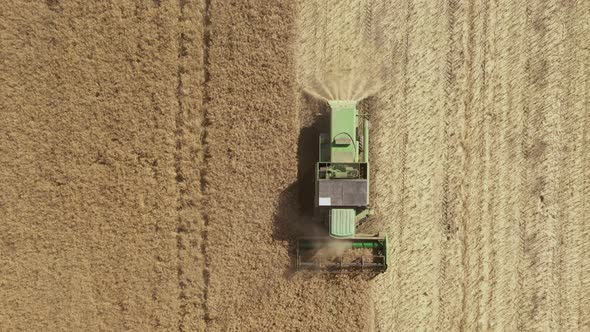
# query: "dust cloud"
{"type": "Point", "coordinates": [355, 83]}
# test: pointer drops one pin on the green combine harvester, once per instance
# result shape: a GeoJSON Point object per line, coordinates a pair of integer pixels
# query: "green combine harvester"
{"type": "Point", "coordinates": [342, 197]}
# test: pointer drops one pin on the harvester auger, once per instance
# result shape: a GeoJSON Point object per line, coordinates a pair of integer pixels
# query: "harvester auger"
{"type": "Point", "coordinates": [342, 198]}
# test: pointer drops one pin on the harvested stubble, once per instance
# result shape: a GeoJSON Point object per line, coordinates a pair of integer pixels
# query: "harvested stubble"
{"type": "Point", "coordinates": [480, 153]}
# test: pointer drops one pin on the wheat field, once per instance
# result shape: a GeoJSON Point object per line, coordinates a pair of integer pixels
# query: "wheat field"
{"type": "Point", "coordinates": [157, 160]}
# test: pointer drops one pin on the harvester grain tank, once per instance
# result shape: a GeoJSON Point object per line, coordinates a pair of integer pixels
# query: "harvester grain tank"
{"type": "Point", "coordinates": [342, 197]}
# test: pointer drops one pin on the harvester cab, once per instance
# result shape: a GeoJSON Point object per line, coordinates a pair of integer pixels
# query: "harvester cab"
{"type": "Point", "coordinates": [342, 197]}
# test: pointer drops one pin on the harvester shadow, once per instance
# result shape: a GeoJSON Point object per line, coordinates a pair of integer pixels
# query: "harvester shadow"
{"type": "Point", "coordinates": [296, 215]}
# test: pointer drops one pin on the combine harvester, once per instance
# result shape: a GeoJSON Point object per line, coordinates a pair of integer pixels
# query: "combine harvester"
{"type": "Point", "coordinates": [342, 197]}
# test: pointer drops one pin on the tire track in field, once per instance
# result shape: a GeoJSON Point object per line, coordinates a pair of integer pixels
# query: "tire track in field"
{"type": "Point", "coordinates": [542, 152]}
{"type": "Point", "coordinates": [474, 189]}
{"type": "Point", "coordinates": [471, 141]}
{"type": "Point", "coordinates": [528, 258]}
{"type": "Point", "coordinates": [508, 83]}
{"type": "Point", "coordinates": [553, 50]}
{"type": "Point", "coordinates": [490, 185]}
{"type": "Point", "coordinates": [189, 166]}
{"type": "Point", "coordinates": [204, 120]}
{"type": "Point", "coordinates": [483, 196]}
{"type": "Point", "coordinates": [524, 305]}
{"type": "Point", "coordinates": [571, 179]}
{"type": "Point", "coordinates": [450, 275]}
{"type": "Point", "coordinates": [582, 10]}
{"type": "Point", "coordinates": [495, 163]}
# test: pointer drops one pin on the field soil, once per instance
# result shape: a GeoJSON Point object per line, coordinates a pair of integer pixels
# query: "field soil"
{"type": "Point", "coordinates": [156, 163]}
